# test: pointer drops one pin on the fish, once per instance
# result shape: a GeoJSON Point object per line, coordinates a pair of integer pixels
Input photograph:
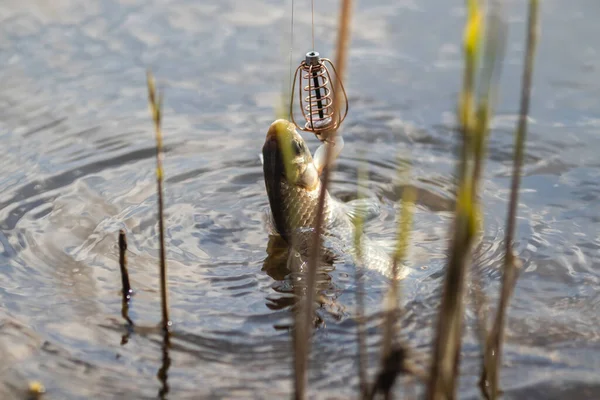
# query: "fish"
{"type": "Point", "coordinates": [293, 192]}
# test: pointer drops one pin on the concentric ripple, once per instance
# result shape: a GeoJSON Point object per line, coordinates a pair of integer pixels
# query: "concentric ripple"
{"type": "Point", "coordinates": [77, 165]}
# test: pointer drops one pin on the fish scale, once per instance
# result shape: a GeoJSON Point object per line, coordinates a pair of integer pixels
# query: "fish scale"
{"type": "Point", "coordinates": [298, 206]}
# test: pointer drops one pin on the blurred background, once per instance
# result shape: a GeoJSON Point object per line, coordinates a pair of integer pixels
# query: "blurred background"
{"type": "Point", "coordinates": [77, 165]}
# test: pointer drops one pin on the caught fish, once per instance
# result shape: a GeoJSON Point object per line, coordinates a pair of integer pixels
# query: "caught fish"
{"type": "Point", "coordinates": [293, 189]}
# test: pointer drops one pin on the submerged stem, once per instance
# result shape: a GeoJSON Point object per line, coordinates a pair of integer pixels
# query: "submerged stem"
{"type": "Point", "coordinates": [126, 287]}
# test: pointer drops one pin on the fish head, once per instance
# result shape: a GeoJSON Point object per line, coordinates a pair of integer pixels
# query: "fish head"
{"type": "Point", "coordinates": [291, 179]}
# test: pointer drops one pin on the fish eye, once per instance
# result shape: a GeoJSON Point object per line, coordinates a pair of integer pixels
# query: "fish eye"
{"type": "Point", "coordinates": [297, 147]}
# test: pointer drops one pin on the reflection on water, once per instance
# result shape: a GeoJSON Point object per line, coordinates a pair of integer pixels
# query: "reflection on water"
{"type": "Point", "coordinates": [77, 166]}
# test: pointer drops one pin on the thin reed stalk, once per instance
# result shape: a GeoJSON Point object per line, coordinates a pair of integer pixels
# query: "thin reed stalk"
{"type": "Point", "coordinates": [444, 366]}
{"type": "Point", "coordinates": [491, 68]}
{"type": "Point", "coordinates": [301, 338]}
{"type": "Point", "coordinates": [361, 339]}
{"type": "Point", "coordinates": [479, 304]}
{"type": "Point", "coordinates": [474, 120]}
{"type": "Point", "coordinates": [155, 101]}
{"type": "Point", "coordinates": [304, 340]}
{"type": "Point", "coordinates": [394, 354]}
{"type": "Point", "coordinates": [126, 287]}
{"type": "Point", "coordinates": [491, 368]}
{"type": "Point", "coordinates": [444, 370]}
{"type": "Point", "coordinates": [493, 54]}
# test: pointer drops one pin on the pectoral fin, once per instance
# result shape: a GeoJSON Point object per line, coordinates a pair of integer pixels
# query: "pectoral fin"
{"type": "Point", "coordinates": [367, 209]}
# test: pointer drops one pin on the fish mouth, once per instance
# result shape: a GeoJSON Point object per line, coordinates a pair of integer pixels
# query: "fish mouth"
{"type": "Point", "coordinates": [274, 173]}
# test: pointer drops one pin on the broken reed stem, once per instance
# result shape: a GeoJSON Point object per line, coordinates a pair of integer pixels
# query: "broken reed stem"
{"type": "Point", "coordinates": [126, 287]}
{"type": "Point", "coordinates": [155, 101]}
{"type": "Point", "coordinates": [302, 359]}
{"type": "Point", "coordinates": [163, 372]}
{"type": "Point", "coordinates": [494, 350]}
{"type": "Point", "coordinates": [123, 264]}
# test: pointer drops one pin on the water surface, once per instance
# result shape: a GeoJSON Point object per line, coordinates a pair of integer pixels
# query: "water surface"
{"type": "Point", "coordinates": [77, 165]}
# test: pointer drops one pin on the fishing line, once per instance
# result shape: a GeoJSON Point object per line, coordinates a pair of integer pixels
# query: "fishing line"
{"type": "Point", "coordinates": [291, 51]}
{"type": "Point", "coordinates": [312, 12]}
{"type": "Point", "coordinates": [317, 95]}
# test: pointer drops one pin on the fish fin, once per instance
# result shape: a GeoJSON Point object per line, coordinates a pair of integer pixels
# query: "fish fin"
{"type": "Point", "coordinates": [261, 158]}
{"type": "Point", "coordinates": [319, 158]}
{"type": "Point", "coordinates": [367, 209]}
{"type": "Point", "coordinates": [302, 239]}
{"type": "Point", "coordinates": [310, 177]}
{"type": "Point", "coordinates": [296, 262]}
{"type": "Point", "coordinates": [269, 222]}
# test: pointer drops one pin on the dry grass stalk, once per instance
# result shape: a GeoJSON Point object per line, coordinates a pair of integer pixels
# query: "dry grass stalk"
{"type": "Point", "coordinates": [491, 368]}
{"type": "Point", "coordinates": [155, 101]}
{"type": "Point", "coordinates": [302, 348]}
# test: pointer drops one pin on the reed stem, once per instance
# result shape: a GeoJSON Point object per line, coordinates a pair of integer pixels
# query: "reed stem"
{"type": "Point", "coordinates": [474, 120]}
{"type": "Point", "coordinates": [393, 353]}
{"type": "Point", "coordinates": [303, 335]}
{"type": "Point", "coordinates": [126, 287]}
{"type": "Point", "coordinates": [155, 101]}
{"type": "Point", "coordinates": [361, 339]}
{"type": "Point", "coordinates": [491, 368]}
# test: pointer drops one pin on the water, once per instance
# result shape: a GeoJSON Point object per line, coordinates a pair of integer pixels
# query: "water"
{"type": "Point", "coordinates": [77, 165]}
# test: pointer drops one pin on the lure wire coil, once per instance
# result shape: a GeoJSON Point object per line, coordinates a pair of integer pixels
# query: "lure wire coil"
{"type": "Point", "coordinates": [317, 96]}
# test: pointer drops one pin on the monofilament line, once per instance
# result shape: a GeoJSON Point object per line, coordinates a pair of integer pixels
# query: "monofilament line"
{"type": "Point", "coordinates": [312, 13]}
{"type": "Point", "coordinates": [291, 50]}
